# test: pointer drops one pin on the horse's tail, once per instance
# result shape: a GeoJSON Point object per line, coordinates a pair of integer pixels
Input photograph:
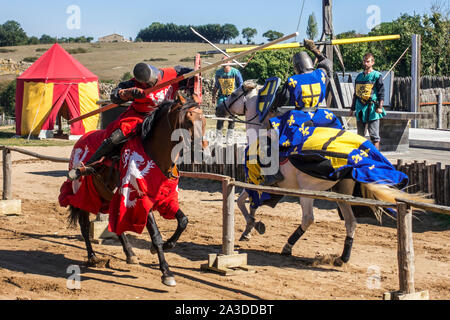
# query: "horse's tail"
{"type": "Point", "coordinates": [389, 194]}
{"type": "Point", "coordinates": [74, 216]}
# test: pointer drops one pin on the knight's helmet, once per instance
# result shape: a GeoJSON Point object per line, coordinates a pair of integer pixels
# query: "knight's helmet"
{"type": "Point", "coordinates": [302, 62]}
{"type": "Point", "coordinates": [146, 73]}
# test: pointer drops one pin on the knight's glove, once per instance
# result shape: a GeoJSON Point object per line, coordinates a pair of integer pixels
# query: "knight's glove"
{"type": "Point", "coordinates": [311, 46]}
{"type": "Point", "coordinates": [131, 93]}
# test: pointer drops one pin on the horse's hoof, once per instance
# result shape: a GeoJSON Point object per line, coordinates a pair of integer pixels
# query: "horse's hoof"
{"type": "Point", "coordinates": [96, 262]}
{"type": "Point", "coordinates": [338, 262]}
{"type": "Point", "coordinates": [153, 249]}
{"type": "Point", "coordinates": [132, 260]}
{"type": "Point", "coordinates": [244, 238]}
{"type": "Point", "coordinates": [169, 281]}
{"type": "Point", "coordinates": [287, 250]}
{"type": "Point", "coordinates": [260, 227]}
{"type": "Point", "coordinates": [168, 245]}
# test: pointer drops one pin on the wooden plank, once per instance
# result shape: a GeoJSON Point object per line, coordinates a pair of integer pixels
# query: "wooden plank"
{"type": "Point", "coordinates": [427, 206]}
{"type": "Point", "coordinates": [36, 155]}
{"type": "Point", "coordinates": [405, 249]}
{"type": "Point", "coordinates": [324, 195]}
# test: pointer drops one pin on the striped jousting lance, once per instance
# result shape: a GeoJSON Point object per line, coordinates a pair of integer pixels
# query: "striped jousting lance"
{"type": "Point", "coordinates": [294, 45]}
{"type": "Point", "coordinates": [187, 75]}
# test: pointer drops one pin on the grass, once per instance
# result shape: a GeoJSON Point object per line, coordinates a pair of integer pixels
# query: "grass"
{"type": "Point", "coordinates": [7, 139]}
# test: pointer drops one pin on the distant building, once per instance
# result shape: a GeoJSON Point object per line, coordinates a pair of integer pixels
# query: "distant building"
{"type": "Point", "coordinates": [113, 38]}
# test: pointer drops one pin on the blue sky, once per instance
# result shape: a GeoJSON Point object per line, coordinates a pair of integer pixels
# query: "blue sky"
{"type": "Point", "coordinates": [101, 17]}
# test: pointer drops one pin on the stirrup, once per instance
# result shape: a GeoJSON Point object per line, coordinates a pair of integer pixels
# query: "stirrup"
{"type": "Point", "coordinates": [272, 180]}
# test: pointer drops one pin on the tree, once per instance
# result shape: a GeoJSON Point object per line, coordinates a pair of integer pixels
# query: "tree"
{"type": "Point", "coordinates": [229, 31]}
{"type": "Point", "coordinates": [248, 34]}
{"type": "Point", "coordinates": [12, 34]}
{"type": "Point", "coordinates": [312, 29]}
{"type": "Point", "coordinates": [272, 35]}
{"type": "Point", "coordinates": [33, 40]}
{"type": "Point", "coordinates": [46, 39]}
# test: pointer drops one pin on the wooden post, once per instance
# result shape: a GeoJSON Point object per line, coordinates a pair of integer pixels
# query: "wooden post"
{"type": "Point", "coordinates": [327, 17]}
{"type": "Point", "coordinates": [7, 167]}
{"type": "Point", "coordinates": [415, 76]}
{"type": "Point", "coordinates": [405, 249]}
{"type": "Point", "coordinates": [440, 111]}
{"type": "Point", "coordinates": [228, 217]}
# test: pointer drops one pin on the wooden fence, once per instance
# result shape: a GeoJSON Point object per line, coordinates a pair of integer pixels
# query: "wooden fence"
{"type": "Point", "coordinates": [230, 258]}
{"type": "Point", "coordinates": [401, 95]}
{"type": "Point", "coordinates": [433, 179]}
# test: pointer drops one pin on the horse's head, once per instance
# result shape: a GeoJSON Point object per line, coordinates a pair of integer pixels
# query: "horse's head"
{"type": "Point", "coordinates": [236, 104]}
{"type": "Point", "coordinates": [190, 116]}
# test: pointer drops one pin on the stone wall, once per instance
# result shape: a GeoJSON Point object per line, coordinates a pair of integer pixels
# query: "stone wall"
{"type": "Point", "coordinates": [8, 66]}
{"type": "Point", "coordinates": [207, 86]}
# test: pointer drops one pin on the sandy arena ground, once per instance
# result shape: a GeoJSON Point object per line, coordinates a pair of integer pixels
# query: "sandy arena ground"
{"type": "Point", "coordinates": [37, 247]}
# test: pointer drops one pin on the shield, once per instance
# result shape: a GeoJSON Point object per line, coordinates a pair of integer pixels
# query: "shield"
{"type": "Point", "coordinates": [266, 96]}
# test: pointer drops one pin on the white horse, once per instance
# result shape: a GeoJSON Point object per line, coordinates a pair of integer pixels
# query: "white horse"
{"type": "Point", "coordinates": [244, 102]}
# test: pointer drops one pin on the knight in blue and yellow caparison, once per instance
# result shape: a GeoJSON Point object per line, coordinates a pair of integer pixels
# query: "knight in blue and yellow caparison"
{"type": "Point", "coordinates": [331, 154]}
{"type": "Point", "coordinates": [313, 139]}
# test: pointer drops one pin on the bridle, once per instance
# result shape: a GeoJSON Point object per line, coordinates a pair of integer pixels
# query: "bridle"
{"type": "Point", "coordinates": [183, 110]}
{"type": "Point", "coordinates": [234, 116]}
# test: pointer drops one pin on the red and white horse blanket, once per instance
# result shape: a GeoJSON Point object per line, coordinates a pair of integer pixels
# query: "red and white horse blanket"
{"type": "Point", "coordinates": [143, 187]}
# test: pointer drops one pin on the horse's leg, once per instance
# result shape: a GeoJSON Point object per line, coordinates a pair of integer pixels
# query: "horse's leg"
{"type": "Point", "coordinates": [182, 221]}
{"type": "Point", "coordinates": [167, 277]}
{"type": "Point", "coordinates": [131, 257]}
{"type": "Point", "coordinates": [249, 218]}
{"type": "Point", "coordinates": [346, 187]}
{"type": "Point", "coordinates": [83, 220]}
{"type": "Point", "coordinates": [307, 220]}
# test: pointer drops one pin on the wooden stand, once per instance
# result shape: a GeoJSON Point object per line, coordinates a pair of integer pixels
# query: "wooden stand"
{"type": "Point", "coordinates": [98, 231]}
{"type": "Point", "coordinates": [227, 265]}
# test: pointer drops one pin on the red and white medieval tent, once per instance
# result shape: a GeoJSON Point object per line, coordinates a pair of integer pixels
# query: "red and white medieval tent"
{"type": "Point", "coordinates": [55, 85]}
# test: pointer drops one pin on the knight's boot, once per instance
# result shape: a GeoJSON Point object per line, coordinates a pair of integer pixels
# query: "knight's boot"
{"type": "Point", "coordinates": [272, 180]}
{"type": "Point", "coordinates": [108, 145]}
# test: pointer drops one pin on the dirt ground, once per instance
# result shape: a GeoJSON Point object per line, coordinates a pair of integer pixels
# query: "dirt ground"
{"type": "Point", "coordinates": [37, 248]}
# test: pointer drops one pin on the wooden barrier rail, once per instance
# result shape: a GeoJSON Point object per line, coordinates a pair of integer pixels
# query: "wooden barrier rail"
{"type": "Point", "coordinates": [230, 259]}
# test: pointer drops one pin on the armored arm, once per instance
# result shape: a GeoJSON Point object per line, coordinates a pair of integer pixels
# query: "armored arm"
{"type": "Point", "coordinates": [117, 95]}
{"type": "Point", "coordinates": [324, 63]}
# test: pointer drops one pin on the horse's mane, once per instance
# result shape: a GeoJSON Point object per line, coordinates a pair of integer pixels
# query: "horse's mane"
{"type": "Point", "coordinates": [154, 117]}
{"type": "Point", "coordinates": [147, 125]}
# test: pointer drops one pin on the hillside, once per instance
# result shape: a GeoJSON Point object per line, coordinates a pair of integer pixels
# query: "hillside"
{"type": "Point", "coordinates": [111, 60]}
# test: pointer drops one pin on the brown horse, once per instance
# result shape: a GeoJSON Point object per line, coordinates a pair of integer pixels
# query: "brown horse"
{"type": "Point", "coordinates": [158, 144]}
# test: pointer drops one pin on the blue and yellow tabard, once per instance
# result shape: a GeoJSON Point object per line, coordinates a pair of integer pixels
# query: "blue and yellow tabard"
{"type": "Point", "coordinates": [307, 90]}
{"type": "Point", "coordinates": [227, 83]}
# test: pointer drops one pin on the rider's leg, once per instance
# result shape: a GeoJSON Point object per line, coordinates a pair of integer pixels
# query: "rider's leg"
{"type": "Point", "coordinates": [107, 146]}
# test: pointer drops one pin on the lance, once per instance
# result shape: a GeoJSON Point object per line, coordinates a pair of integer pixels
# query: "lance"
{"type": "Point", "coordinates": [294, 45]}
{"type": "Point", "coordinates": [216, 47]}
{"type": "Point", "coordinates": [187, 75]}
